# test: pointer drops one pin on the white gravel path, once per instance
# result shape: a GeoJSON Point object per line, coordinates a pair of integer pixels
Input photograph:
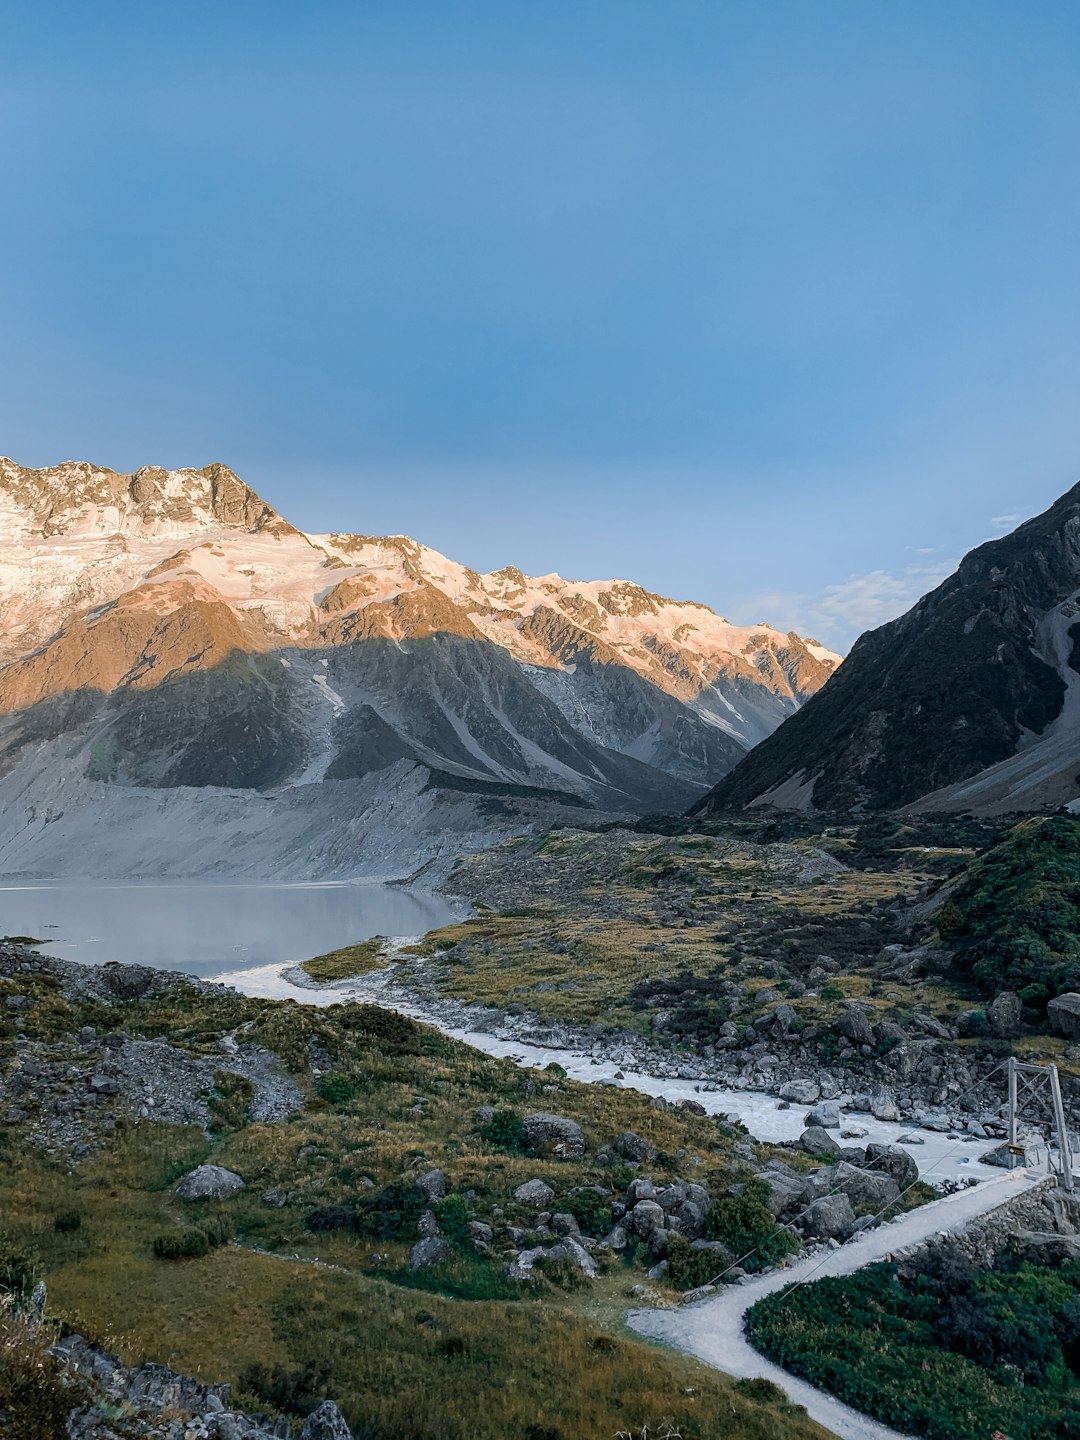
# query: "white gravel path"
{"type": "Point", "coordinates": [712, 1329]}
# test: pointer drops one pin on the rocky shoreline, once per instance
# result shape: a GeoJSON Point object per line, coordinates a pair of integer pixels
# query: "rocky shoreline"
{"type": "Point", "coordinates": [919, 1082]}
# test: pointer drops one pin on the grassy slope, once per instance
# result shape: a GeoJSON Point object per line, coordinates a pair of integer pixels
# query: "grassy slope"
{"type": "Point", "coordinates": [401, 1362]}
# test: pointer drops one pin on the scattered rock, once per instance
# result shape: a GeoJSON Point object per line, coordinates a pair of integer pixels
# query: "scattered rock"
{"type": "Point", "coordinates": [1063, 1012]}
{"type": "Point", "coordinates": [433, 1184]}
{"type": "Point", "coordinates": [634, 1147]}
{"type": "Point", "coordinates": [431, 1250]}
{"type": "Point", "coordinates": [537, 1193]}
{"type": "Point", "coordinates": [556, 1134]}
{"type": "Point", "coordinates": [1004, 1014]}
{"type": "Point", "coordinates": [209, 1182]}
{"type": "Point", "coordinates": [326, 1423]}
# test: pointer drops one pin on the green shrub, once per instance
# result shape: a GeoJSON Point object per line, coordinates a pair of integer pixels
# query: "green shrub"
{"type": "Point", "coordinates": [290, 1392]}
{"type": "Point", "coordinates": [944, 1350]}
{"type": "Point", "coordinates": [748, 1229]}
{"type": "Point", "coordinates": [464, 1277]}
{"type": "Point", "coordinates": [390, 1213]}
{"type": "Point", "coordinates": [688, 1268]}
{"type": "Point", "coordinates": [67, 1221]}
{"type": "Point", "coordinates": [504, 1131]}
{"type": "Point", "coordinates": [186, 1244]}
{"type": "Point", "coordinates": [34, 1401]}
{"type": "Point", "coordinates": [591, 1210]}
{"type": "Point", "coordinates": [335, 1088]}
{"type": "Point", "coordinates": [18, 1270]}
{"type": "Point", "coordinates": [192, 1241]}
{"type": "Point", "coordinates": [453, 1217]}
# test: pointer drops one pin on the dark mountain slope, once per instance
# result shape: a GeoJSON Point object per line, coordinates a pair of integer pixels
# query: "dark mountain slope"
{"type": "Point", "coordinates": [976, 673]}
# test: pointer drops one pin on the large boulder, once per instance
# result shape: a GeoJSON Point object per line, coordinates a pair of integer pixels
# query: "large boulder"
{"type": "Point", "coordinates": [326, 1423]}
{"type": "Point", "coordinates": [553, 1134]}
{"type": "Point", "coordinates": [1003, 1015]}
{"type": "Point", "coordinates": [866, 1189]}
{"type": "Point", "coordinates": [433, 1184]}
{"type": "Point", "coordinates": [801, 1092]}
{"type": "Point", "coordinates": [891, 1160]}
{"type": "Point", "coordinates": [567, 1249]}
{"type": "Point", "coordinates": [784, 1191]}
{"type": "Point", "coordinates": [1063, 1012]}
{"type": "Point", "coordinates": [209, 1182]}
{"type": "Point", "coordinates": [432, 1250]}
{"type": "Point", "coordinates": [816, 1141]}
{"type": "Point", "coordinates": [854, 1026]}
{"type": "Point", "coordinates": [536, 1193]}
{"type": "Point", "coordinates": [634, 1147]}
{"type": "Point", "coordinates": [828, 1217]}
{"type": "Point", "coordinates": [825, 1116]}
{"type": "Point", "coordinates": [646, 1217]}
{"type": "Point", "coordinates": [883, 1104]}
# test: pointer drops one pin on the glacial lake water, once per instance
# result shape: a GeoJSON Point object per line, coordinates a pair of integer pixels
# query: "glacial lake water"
{"type": "Point", "coordinates": [206, 929]}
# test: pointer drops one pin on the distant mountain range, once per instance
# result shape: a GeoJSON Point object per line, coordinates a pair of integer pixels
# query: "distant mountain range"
{"type": "Point", "coordinates": [969, 702]}
{"type": "Point", "coordinates": [189, 682]}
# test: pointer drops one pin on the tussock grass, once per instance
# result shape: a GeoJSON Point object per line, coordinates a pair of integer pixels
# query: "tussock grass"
{"type": "Point", "coordinates": [413, 1363]}
{"type": "Point", "coordinates": [346, 962]}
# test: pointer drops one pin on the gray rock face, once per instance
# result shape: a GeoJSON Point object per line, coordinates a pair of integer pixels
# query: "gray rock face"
{"type": "Point", "coordinates": [1047, 1247]}
{"type": "Point", "coordinates": [801, 1092]}
{"type": "Point", "coordinates": [817, 1141]}
{"type": "Point", "coordinates": [825, 1116]}
{"type": "Point", "coordinates": [1063, 1012]}
{"type": "Point", "coordinates": [828, 1217]}
{"type": "Point", "coordinates": [891, 1160]}
{"type": "Point", "coordinates": [537, 1193]}
{"type": "Point", "coordinates": [854, 1026]}
{"type": "Point", "coordinates": [326, 1423]}
{"type": "Point", "coordinates": [634, 1147]}
{"type": "Point", "coordinates": [1004, 1014]}
{"type": "Point", "coordinates": [866, 1187]}
{"type": "Point", "coordinates": [209, 1182]}
{"type": "Point", "coordinates": [883, 1104]}
{"type": "Point", "coordinates": [556, 1134]}
{"type": "Point", "coordinates": [646, 1217]}
{"type": "Point", "coordinates": [433, 1184]}
{"type": "Point", "coordinates": [432, 1250]}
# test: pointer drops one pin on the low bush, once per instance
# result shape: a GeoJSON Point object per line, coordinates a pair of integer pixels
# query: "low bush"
{"type": "Point", "coordinates": [186, 1244]}
{"type": "Point", "coordinates": [590, 1209]}
{"type": "Point", "coordinates": [335, 1088]}
{"type": "Point", "coordinates": [192, 1241]}
{"type": "Point", "coordinates": [504, 1131]}
{"type": "Point", "coordinates": [943, 1350]}
{"type": "Point", "coordinates": [289, 1392]}
{"type": "Point", "coordinates": [747, 1227]}
{"type": "Point", "coordinates": [689, 1268]}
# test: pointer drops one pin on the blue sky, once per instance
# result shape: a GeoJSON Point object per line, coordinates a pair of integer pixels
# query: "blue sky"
{"type": "Point", "coordinates": [772, 305]}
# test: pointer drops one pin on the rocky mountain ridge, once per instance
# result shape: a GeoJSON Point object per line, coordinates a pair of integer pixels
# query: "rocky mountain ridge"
{"type": "Point", "coordinates": [170, 630]}
{"type": "Point", "coordinates": [966, 703]}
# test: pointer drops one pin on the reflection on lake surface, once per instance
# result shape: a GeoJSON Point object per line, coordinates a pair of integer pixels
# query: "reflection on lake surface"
{"type": "Point", "coordinates": [204, 929]}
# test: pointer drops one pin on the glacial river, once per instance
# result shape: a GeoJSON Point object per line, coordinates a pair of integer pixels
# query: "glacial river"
{"type": "Point", "coordinates": [203, 929]}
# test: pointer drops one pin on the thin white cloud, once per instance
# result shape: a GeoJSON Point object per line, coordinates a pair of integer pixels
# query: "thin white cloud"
{"type": "Point", "coordinates": [839, 615]}
{"type": "Point", "coordinates": [1006, 522]}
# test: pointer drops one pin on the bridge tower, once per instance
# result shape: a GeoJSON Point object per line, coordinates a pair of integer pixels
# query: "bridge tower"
{"type": "Point", "coordinates": [1032, 1082]}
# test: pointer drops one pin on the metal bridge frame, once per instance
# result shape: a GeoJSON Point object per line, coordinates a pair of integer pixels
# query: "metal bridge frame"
{"type": "Point", "coordinates": [1041, 1073]}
